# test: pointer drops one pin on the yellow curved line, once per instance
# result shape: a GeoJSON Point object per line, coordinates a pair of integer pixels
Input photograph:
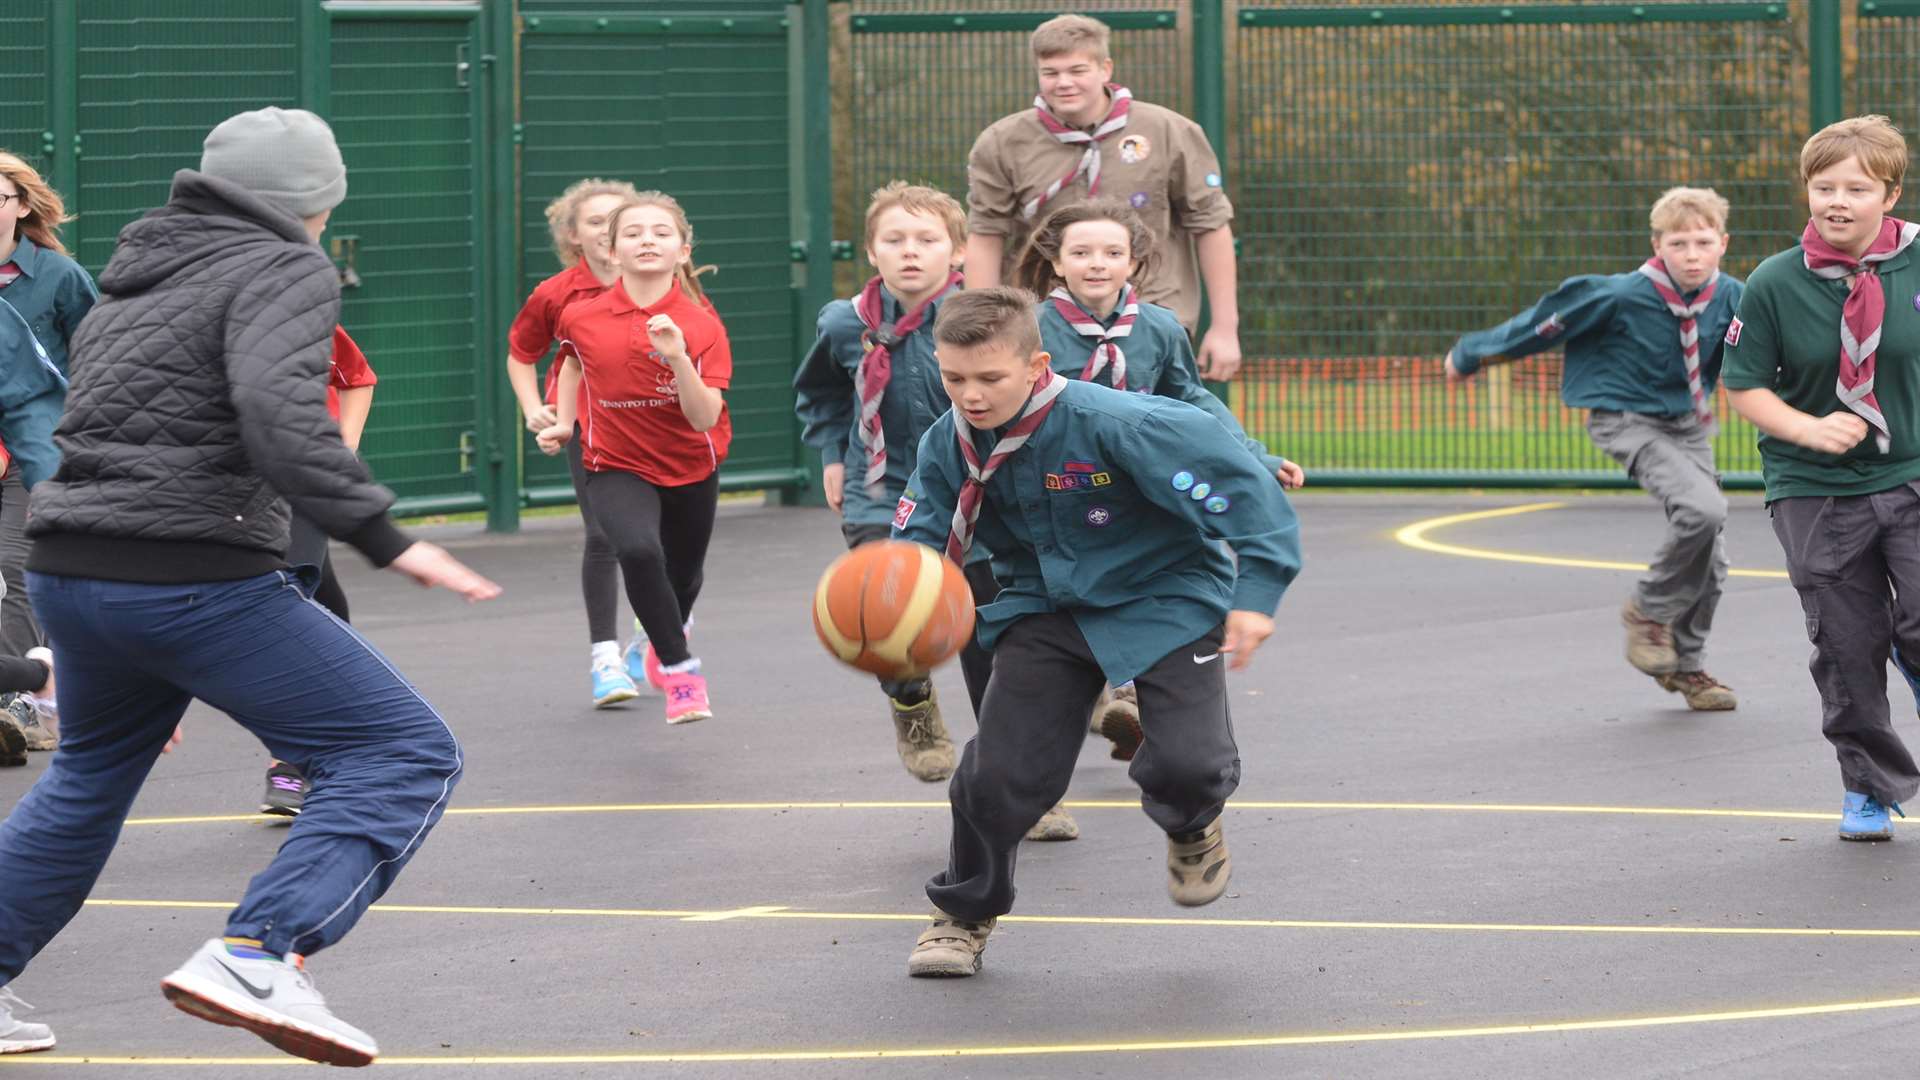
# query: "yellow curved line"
{"type": "Point", "coordinates": [1043, 1049]}
{"type": "Point", "coordinates": [1071, 804]}
{"type": "Point", "coordinates": [772, 912]}
{"type": "Point", "coordinates": [1415, 536]}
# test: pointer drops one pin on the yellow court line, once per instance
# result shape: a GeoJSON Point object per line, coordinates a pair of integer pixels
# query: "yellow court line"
{"type": "Point", "coordinates": [1039, 1049]}
{"type": "Point", "coordinates": [775, 912]}
{"type": "Point", "coordinates": [1415, 536]}
{"type": "Point", "coordinates": [1072, 804]}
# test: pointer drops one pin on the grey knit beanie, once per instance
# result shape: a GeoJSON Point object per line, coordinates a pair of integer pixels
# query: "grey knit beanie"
{"type": "Point", "coordinates": [285, 156]}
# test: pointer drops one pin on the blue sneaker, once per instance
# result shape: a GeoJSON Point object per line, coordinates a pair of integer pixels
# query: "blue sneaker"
{"type": "Point", "coordinates": [1863, 817]}
{"type": "Point", "coordinates": [636, 658]}
{"type": "Point", "coordinates": [611, 686]}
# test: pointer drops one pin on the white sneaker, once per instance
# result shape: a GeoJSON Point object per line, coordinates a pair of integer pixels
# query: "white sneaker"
{"type": "Point", "coordinates": [274, 999]}
{"type": "Point", "coordinates": [42, 725]}
{"type": "Point", "coordinates": [18, 1036]}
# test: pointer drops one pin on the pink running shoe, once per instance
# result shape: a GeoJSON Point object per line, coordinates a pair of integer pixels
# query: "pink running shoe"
{"type": "Point", "coordinates": [686, 697]}
{"type": "Point", "coordinates": [650, 667]}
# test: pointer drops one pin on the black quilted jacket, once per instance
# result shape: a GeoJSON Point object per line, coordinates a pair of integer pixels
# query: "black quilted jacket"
{"type": "Point", "coordinates": [198, 405]}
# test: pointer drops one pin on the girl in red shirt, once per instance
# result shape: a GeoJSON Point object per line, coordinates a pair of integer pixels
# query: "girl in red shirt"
{"type": "Point", "coordinates": [578, 222]}
{"type": "Point", "coordinates": [648, 361]}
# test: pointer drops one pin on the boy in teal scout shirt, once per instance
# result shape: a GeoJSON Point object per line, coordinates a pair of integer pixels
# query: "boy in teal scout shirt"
{"type": "Point", "coordinates": [1107, 510]}
{"type": "Point", "coordinates": [1642, 353]}
{"type": "Point", "coordinates": [867, 391]}
{"type": "Point", "coordinates": [1824, 358]}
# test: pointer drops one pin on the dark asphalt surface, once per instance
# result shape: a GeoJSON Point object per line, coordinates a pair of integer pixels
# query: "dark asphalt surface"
{"type": "Point", "coordinates": [1396, 676]}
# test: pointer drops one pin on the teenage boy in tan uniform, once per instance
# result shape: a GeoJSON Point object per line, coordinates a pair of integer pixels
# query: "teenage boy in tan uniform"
{"type": "Point", "coordinates": [1085, 136]}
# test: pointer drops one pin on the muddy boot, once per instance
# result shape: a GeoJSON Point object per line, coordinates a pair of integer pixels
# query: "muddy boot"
{"type": "Point", "coordinates": [1649, 644]}
{"type": "Point", "coordinates": [949, 949]}
{"type": "Point", "coordinates": [1198, 866]}
{"type": "Point", "coordinates": [1055, 824]}
{"type": "Point", "coordinates": [1703, 692]}
{"type": "Point", "coordinates": [1119, 721]}
{"type": "Point", "coordinates": [921, 737]}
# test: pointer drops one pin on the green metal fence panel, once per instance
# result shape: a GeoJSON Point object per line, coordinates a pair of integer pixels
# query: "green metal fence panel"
{"type": "Point", "coordinates": [923, 78]}
{"type": "Point", "coordinates": [1403, 174]}
{"type": "Point", "coordinates": [693, 103]}
{"type": "Point", "coordinates": [26, 127]}
{"type": "Point", "coordinates": [153, 80]}
{"type": "Point", "coordinates": [404, 111]}
{"type": "Point", "coordinates": [1887, 41]}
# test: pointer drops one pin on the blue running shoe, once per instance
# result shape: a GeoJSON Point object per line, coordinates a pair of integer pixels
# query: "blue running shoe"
{"type": "Point", "coordinates": [611, 686]}
{"type": "Point", "coordinates": [636, 657]}
{"type": "Point", "coordinates": [1863, 817]}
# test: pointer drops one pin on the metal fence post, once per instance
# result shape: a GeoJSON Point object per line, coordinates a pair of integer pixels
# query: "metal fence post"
{"type": "Point", "coordinates": [500, 256]}
{"type": "Point", "coordinates": [1824, 62]}
{"type": "Point", "coordinates": [63, 106]}
{"type": "Point", "coordinates": [1209, 28]}
{"type": "Point", "coordinates": [810, 107]}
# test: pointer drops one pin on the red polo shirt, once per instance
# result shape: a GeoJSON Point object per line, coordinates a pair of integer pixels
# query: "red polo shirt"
{"type": "Point", "coordinates": [632, 419]}
{"type": "Point", "coordinates": [538, 323]}
{"type": "Point", "coordinates": [349, 370]}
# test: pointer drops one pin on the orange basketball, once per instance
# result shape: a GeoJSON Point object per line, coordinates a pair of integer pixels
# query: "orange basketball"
{"type": "Point", "coordinates": [893, 608]}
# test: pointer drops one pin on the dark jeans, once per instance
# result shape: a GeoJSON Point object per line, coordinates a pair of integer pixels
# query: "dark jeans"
{"type": "Point", "coordinates": [1855, 561]}
{"type": "Point", "coordinates": [660, 536]}
{"type": "Point", "coordinates": [382, 761]}
{"type": "Point", "coordinates": [1032, 724]}
{"type": "Point", "coordinates": [976, 663]}
{"type": "Point", "coordinates": [599, 570]}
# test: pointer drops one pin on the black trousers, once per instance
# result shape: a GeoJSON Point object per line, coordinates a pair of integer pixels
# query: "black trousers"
{"type": "Point", "coordinates": [1855, 561]}
{"type": "Point", "coordinates": [1032, 725]}
{"type": "Point", "coordinates": [660, 536]}
{"type": "Point", "coordinates": [599, 570]}
{"type": "Point", "coordinates": [307, 546]}
{"type": "Point", "coordinates": [976, 663]}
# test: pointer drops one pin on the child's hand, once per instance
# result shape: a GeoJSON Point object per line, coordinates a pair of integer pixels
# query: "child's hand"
{"type": "Point", "coordinates": [173, 740]}
{"type": "Point", "coordinates": [1454, 374]}
{"type": "Point", "coordinates": [541, 418]}
{"type": "Point", "coordinates": [666, 337]}
{"type": "Point", "coordinates": [1245, 631]}
{"type": "Point", "coordinates": [1291, 475]}
{"type": "Point", "coordinates": [833, 481]}
{"type": "Point", "coordinates": [553, 439]}
{"type": "Point", "coordinates": [1834, 433]}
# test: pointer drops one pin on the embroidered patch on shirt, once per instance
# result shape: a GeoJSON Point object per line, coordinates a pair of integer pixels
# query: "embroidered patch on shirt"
{"type": "Point", "coordinates": [903, 513]}
{"type": "Point", "coordinates": [1139, 199]}
{"type": "Point", "coordinates": [1549, 327]}
{"type": "Point", "coordinates": [1733, 328]}
{"type": "Point", "coordinates": [1077, 481]}
{"type": "Point", "coordinates": [1099, 517]}
{"type": "Point", "coordinates": [1213, 179]}
{"type": "Point", "coordinates": [1135, 149]}
{"type": "Point", "coordinates": [1080, 467]}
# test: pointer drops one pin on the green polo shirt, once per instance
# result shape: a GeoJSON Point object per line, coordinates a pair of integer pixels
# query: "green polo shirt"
{"type": "Point", "coordinates": [1786, 338]}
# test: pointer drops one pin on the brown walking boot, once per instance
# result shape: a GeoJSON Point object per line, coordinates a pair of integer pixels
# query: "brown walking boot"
{"type": "Point", "coordinates": [921, 737]}
{"type": "Point", "coordinates": [1649, 644]}
{"type": "Point", "coordinates": [1198, 866]}
{"type": "Point", "coordinates": [1119, 721]}
{"type": "Point", "coordinates": [1703, 692]}
{"type": "Point", "coordinates": [1055, 824]}
{"type": "Point", "coordinates": [949, 949]}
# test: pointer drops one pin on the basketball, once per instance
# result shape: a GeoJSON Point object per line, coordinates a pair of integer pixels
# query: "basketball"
{"type": "Point", "coordinates": [893, 608]}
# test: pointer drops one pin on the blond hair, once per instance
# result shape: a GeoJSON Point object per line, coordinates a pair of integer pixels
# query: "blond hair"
{"type": "Point", "coordinates": [1065, 34]}
{"type": "Point", "coordinates": [1034, 269]}
{"type": "Point", "coordinates": [1680, 208]}
{"type": "Point", "coordinates": [1879, 146]}
{"type": "Point", "coordinates": [1002, 314]}
{"type": "Point", "coordinates": [48, 212]}
{"type": "Point", "coordinates": [685, 272]}
{"type": "Point", "coordinates": [563, 213]}
{"type": "Point", "coordinates": [918, 199]}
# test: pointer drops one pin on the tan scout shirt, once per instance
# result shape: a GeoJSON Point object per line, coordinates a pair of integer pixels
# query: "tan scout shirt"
{"type": "Point", "coordinates": [1160, 163]}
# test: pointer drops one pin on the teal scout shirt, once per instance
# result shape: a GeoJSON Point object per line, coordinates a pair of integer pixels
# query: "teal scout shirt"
{"type": "Point", "coordinates": [827, 401]}
{"type": "Point", "coordinates": [1159, 361]}
{"type": "Point", "coordinates": [1622, 344]}
{"type": "Point", "coordinates": [53, 294]}
{"type": "Point", "coordinates": [1788, 341]}
{"type": "Point", "coordinates": [1112, 512]}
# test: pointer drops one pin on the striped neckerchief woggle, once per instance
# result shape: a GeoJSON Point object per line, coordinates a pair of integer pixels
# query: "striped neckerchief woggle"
{"type": "Point", "coordinates": [876, 368]}
{"type": "Point", "coordinates": [1656, 271]}
{"type": "Point", "coordinates": [973, 491]}
{"type": "Point", "coordinates": [1089, 163]}
{"type": "Point", "coordinates": [1106, 348]}
{"type": "Point", "coordinates": [1862, 314]}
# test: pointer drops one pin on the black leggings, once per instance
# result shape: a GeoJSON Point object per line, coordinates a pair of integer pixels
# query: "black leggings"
{"type": "Point", "coordinates": [599, 570]}
{"type": "Point", "coordinates": [659, 535]}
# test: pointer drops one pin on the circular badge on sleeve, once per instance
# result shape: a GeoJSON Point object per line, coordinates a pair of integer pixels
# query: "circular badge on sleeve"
{"type": "Point", "coordinates": [1218, 504]}
{"type": "Point", "coordinates": [1200, 491]}
{"type": "Point", "coordinates": [1182, 480]}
